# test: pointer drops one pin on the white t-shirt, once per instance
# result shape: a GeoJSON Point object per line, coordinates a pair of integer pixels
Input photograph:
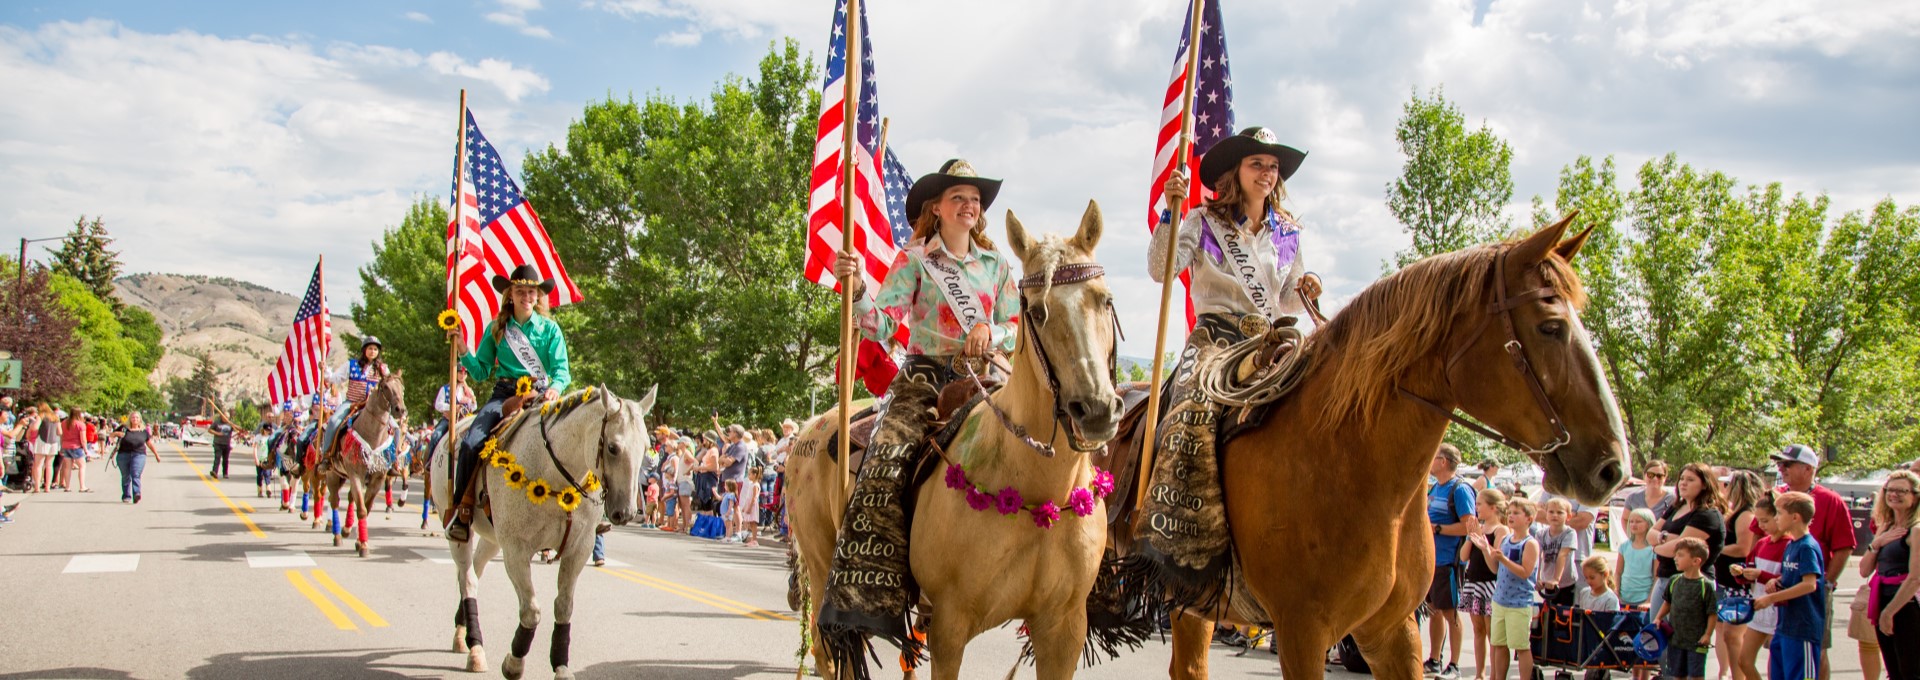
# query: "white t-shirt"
{"type": "Point", "coordinates": [1585, 599]}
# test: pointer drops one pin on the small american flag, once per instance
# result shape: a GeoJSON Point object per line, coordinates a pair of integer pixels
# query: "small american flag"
{"type": "Point", "coordinates": [302, 368]}
{"type": "Point", "coordinates": [501, 232]}
{"type": "Point", "coordinates": [880, 217]}
{"type": "Point", "coordinates": [1212, 116]}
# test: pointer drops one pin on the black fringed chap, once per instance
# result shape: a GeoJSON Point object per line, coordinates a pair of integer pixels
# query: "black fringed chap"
{"type": "Point", "coordinates": [1122, 608]}
{"type": "Point", "coordinates": [849, 650]}
{"type": "Point", "coordinates": [562, 639]}
{"type": "Point", "coordinates": [522, 642]}
{"type": "Point", "coordinates": [470, 607]}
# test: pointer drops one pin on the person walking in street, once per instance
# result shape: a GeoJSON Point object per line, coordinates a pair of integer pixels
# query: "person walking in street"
{"type": "Point", "coordinates": [222, 445]}
{"type": "Point", "coordinates": [1889, 564]}
{"type": "Point", "coordinates": [1450, 508]}
{"type": "Point", "coordinates": [136, 443]}
{"type": "Point", "coordinates": [1832, 525]}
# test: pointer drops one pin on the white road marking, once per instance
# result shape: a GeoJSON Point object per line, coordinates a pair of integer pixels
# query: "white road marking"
{"type": "Point", "coordinates": [278, 559]}
{"type": "Point", "coordinates": [101, 564]}
{"type": "Point", "coordinates": [435, 555]}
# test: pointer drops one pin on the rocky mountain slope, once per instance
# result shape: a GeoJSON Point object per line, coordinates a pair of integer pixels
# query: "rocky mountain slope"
{"type": "Point", "coordinates": [240, 325]}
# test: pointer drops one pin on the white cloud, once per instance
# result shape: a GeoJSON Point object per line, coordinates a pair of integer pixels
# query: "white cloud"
{"type": "Point", "coordinates": [230, 157]}
{"type": "Point", "coordinates": [513, 14]}
{"type": "Point", "coordinates": [750, 20]}
{"type": "Point", "coordinates": [419, 16]}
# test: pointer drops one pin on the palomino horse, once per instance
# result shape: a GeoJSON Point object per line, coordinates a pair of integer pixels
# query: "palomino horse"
{"type": "Point", "coordinates": [978, 569]}
{"type": "Point", "coordinates": [1325, 499]}
{"type": "Point", "coordinates": [541, 493]}
{"type": "Point", "coordinates": [384, 417]}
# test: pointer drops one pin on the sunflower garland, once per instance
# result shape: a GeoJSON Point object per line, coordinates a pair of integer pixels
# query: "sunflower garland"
{"type": "Point", "coordinates": [516, 476]}
{"type": "Point", "coordinates": [524, 386]}
{"type": "Point", "coordinates": [569, 499]}
{"type": "Point", "coordinates": [538, 491]}
{"type": "Point", "coordinates": [449, 320]}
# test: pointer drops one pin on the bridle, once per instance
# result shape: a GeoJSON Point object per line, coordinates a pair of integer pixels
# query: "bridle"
{"type": "Point", "coordinates": [1062, 275]}
{"type": "Point", "coordinates": [1502, 306]}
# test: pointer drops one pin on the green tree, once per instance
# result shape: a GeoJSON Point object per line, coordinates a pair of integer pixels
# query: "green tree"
{"type": "Point", "coordinates": [1454, 183]}
{"type": "Point", "coordinates": [139, 325]}
{"type": "Point", "coordinates": [245, 415]}
{"type": "Point", "coordinates": [106, 375]}
{"type": "Point", "coordinates": [684, 224]}
{"type": "Point", "coordinates": [39, 331]}
{"type": "Point", "coordinates": [402, 291]}
{"type": "Point", "coordinates": [188, 395]}
{"type": "Point", "coordinates": [85, 257]}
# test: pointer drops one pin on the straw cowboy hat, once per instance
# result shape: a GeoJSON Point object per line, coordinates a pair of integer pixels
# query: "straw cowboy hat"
{"type": "Point", "coordinates": [523, 275]}
{"type": "Point", "coordinates": [954, 173]}
{"type": "Point", "coordinates": [1227, 154]}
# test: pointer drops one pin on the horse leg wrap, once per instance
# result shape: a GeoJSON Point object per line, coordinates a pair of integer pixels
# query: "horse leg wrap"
{"type": "Point", "coordinates": [333, 519]}
{"type": "Point", "coordinates": [362, 521]}
{"type": "Point", "coordinates": [303, 501]}
{"type": "Point", "coordinates": [562, 638]}
{"type": "Point", "coordinates": [389, 496]}
{"type": "Point", "coordinates": [522, 642]}
{"type": "Point", "coordinates": [470, 608]}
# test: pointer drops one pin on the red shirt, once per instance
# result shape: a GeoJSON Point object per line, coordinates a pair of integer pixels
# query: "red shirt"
{"type": "Point", "coordinates": [1832, 523]}
{"type": "Point", "coordinates": [72, 436]}
{"type": "Point", "coordinates": [93, 435]}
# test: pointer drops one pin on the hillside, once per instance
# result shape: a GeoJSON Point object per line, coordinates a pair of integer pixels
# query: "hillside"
{"type": "Point", "coordinates": [240, 324]}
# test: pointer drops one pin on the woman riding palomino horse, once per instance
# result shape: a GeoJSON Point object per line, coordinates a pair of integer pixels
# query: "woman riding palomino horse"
{"type": "Point", "coordinates": [522, 344]}
{"type": "Point", "coordinates": [954, 293]}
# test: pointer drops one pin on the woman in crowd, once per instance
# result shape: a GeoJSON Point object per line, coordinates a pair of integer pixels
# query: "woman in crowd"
{"type": "Point", "coordinates": [1889, 563]}
{"type": "Point", "coordinates": [1744, 488]}
{"type": "Point", "coordinates": [46, 443]}
{"type": "Point", "coordinates": [73, 452]}
{"type": "Point", "coordinates": [136, 443]}
{"type": "Point", "coordinates": [1696, 513]}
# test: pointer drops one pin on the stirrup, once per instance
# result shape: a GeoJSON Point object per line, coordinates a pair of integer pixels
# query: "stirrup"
{"type": "Point", "coordinates": [459, 531]}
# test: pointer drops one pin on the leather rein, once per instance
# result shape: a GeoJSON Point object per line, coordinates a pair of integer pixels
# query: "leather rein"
{"type": "Point", "coordinates": [1065, 274]}
{"type": "Point", "coordinates": [1502, 306]}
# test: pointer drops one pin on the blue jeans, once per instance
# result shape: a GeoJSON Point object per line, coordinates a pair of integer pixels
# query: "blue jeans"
{"type": "Point", "coordinates": [599, 546]}
{"type": "Point", "coordinates": [131, 465]}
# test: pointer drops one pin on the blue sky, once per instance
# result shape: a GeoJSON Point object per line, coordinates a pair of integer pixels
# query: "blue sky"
{"type": "Point", "coordinates": [242, 139]}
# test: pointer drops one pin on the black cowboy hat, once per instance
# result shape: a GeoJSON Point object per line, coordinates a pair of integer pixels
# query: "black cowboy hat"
{"type": "Point", "coordinates": [523, 275]}
{"type": "Point", "coordinates": [371, 340]}
{"type": "Point", "coordinates": [1227, 154]}
{"type": "Point", "coordinates": [954, 173]}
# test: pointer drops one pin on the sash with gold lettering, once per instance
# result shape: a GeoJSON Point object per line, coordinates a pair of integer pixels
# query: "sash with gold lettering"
{"type": "Point", "coordinates": [961, 297]}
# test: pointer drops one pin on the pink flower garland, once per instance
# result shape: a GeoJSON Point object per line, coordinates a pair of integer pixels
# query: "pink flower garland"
{"type": "Point", "coordinates": [1008, 500]}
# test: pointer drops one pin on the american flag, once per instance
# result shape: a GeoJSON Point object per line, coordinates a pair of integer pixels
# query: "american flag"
{"type": "Point", "coordinates": [302, 368]}
{"type": "Point", "coordinates": [1212, 115]}
{"type": "Point", "coordinates": [499, 232]}
{"type": "Point", "coordinates": [880, 219]}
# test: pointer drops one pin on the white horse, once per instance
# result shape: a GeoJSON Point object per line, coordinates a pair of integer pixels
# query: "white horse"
{"type": "Point", "coordinates": [591, 436]}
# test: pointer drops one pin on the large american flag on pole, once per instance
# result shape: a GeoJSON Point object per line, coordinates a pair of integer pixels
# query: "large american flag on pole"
{"type": "Point", "coordinates": [498, 231]}
{"type": "Point", "coordinates": [302, 368]}
{"type": "Point", "coordinates": [1212, 115]}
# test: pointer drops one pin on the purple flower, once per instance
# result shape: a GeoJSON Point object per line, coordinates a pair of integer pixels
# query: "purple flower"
{"type": "Point", "coordinates": [956, 477]}
{"type": "Point", "coordinates": [978, 500]}
{"type": "Point", "coordinates": [1080, 502]}
{"type": "Point", "coordinates": [1008, 501]}
{"type": "Point", "coordinates": [1102, 482]}
{"type": "Point", "coordinates": [1045, 515]}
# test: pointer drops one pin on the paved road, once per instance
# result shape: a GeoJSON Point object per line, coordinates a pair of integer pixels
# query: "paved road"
{"type": "Point", "coordinates": [203, 580]}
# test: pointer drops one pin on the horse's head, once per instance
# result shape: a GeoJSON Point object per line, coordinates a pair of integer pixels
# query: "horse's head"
{"type": "Point", "coordinates": [392, 389]}
{"type": "Point", "coordinates": [1068, 326]}
{"type": "Point", "coordinates": [623, 448]}
{"type": "Point", "coordinates": [1523, 364]}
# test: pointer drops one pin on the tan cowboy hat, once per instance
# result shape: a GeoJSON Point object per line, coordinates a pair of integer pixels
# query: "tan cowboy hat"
{"type": "Point", "coordinates": [955, 172]}
{"type": "Point", "coordinates": [1227, 154]}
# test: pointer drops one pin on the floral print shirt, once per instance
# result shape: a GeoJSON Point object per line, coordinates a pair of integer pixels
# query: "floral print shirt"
{"type": "Point", "coordinates": [911, 298]}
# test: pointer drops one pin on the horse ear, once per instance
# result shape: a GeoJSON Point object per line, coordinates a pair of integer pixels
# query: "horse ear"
{"type": "Point", "coordinates": [1533, 249]}
{"type": "Point", "coordinates": [1091, 226]}
{"type": "Point", "coordinates": [646, 402]}
{"type": "Point", "coordinates": [1017, 238]}
{"type": "Point", "coordinates": [1571, 247]}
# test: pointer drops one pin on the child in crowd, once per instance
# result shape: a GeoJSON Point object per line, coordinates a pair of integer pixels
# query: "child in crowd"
{"type": "Point", "coordinates": [728, 501]}
{"type": "Point", "coordinates": [1799, 592]}
{"type": "Point", "coordinates": [1597, 594]}
{"type": "Point", "coordinates": [1635, 562]}
{"type": "Point", "coordinates": [653, 502]}
{"type": "Point", "coordinates": [1689, 608]}
{"type": "Point", "coordinates": [1763, 566]}
{"type": "Point", "coordinates": [1557, 540]}
{"type": "Point", "coordinates": [1476, 590]}
{"type": "Point", "coordinates": [748, 512]}
{"type": "Point", "coordinates": [1517, 558]}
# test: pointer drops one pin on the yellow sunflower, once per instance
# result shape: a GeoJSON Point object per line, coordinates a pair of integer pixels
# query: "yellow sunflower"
{"type": "Point", "coordinates": [449, 320]}
{"type": "Point", "coordinates": [538, 491]}
{"type": "Point", "coordinates": [502, 459]}
{"type": "Point", "coordinates": [590, 483]}
{"type": "Point", "coordinates": [524, 386]}
{"type": "Point", "coordinates": [516, 475]}
{"type": "Point", "coordinates": [569, 499]}
{"type": "Point", "coordinates": [487, 451]}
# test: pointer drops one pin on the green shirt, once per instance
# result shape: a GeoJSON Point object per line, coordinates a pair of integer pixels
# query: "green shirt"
{"type": "Point", "coordinates": [497, 361]}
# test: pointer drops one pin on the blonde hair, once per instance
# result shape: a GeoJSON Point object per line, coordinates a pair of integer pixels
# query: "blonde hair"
{"type": "Point", "coordinates": [1883, 515]}
{"type": "Point", "coordinates": [1227, 199]}
{"type": "Point", "coordinates": [928, 223]}
{"type": "Point", "coordinates": [1558, 503]}
{"type": "Point", "coordinates": [1643, 515]}
{"type": "Point", "coordinates": [1601, 565]}
{"type": "Point", "coordinates": [1525, 507]}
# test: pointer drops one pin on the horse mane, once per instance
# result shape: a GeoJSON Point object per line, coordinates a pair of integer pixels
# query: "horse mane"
{"type": "Point", "coordinates": [1046, 254]}
{"type": "Point", "coordinates": [1401, 320]}
{"type": "Point", "coordinates": [567, 404]}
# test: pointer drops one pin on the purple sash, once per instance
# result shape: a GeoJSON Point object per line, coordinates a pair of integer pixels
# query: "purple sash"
{"type": "Point", "coordinates": [1285, 235]}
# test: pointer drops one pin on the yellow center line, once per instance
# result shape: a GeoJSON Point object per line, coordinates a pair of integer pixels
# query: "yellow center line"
{"type": "Point", "coordinates": [321, 602]}
{"type": "Point", "coordinates": [216, 491]}
{"type": "Point", "coordinates": [734, 606]}
{"type": "Point", "coordinates": [353, 603]}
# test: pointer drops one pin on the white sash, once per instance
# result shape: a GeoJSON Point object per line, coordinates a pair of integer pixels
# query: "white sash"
{"type": "Point", "coordinates": [961, 299]}
{"type": "Point", "coordinates": [523, 350]}
{"type": "Point", "coordinates": [1240, 262]}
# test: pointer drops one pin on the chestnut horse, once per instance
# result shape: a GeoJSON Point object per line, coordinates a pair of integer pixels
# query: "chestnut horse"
{"type": "Point", "coordinates": [1326, 499]}
{"type": "Point", "coordinates": [978, 569]}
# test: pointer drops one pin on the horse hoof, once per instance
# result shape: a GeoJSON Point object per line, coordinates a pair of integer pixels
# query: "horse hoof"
{"type": "Point", "coordinates": [362, 547]}
{"type": "Point", "coordinates": [403, 504]}
{"type": "Point", "coordinates": [476, 660]}
{"type": "Point", "coordinates": [513, 667]}
{"type": "Point", "coordinates": [563, 673]}
{"type": "Point", "coordinates": [303, 514]}
{"type": "Point", "coordinates": [459, 639]}
{"type": "Point", "coordinates": [336, 540]}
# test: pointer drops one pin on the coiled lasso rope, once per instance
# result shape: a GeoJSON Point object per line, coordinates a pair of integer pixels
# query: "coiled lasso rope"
{"type": "Point", "coordinates": [1219, 374]}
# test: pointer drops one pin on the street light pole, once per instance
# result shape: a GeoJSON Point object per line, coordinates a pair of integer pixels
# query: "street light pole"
{"type": "Point", "coordinates": [20, 280]}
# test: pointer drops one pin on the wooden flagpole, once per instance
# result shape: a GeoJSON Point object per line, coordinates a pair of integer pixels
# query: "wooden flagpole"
{"type": "Point", "coordinates": [849, 131]}
{"type": "Point", "coordinates": [453, 287]}
{"type": "Point", "coordinates": [1167, 273]}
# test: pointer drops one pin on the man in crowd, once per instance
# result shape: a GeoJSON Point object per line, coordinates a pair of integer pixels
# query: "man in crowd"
{"type": "Point", "coordinates": [1832, 525]}
{"type": "Point", "coordinates": [1450, 507]}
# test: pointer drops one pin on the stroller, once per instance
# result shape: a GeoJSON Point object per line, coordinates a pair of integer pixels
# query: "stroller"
{"type": "Point", "coordinates": [1570, 639]}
